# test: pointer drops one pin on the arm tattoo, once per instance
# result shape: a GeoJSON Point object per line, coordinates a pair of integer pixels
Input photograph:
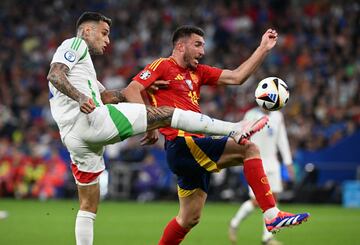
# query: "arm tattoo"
{"type": "Point", "coordinates": [58, 77]}
{"type": "Point", "coordinates": [158, 117]}
{"type": "Point", "coordinates": [112, 96]}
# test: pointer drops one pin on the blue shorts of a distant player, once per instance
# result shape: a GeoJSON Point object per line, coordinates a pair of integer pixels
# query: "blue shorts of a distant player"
{"type": "Point", "coordinates": [193, 160]}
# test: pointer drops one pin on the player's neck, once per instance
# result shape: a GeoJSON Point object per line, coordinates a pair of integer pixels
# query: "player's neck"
{"type": "Point", "coordinates": [178, 60]}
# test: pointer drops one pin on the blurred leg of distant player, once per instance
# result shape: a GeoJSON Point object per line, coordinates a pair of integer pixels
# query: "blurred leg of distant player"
{"type": "Point", "coordinates": [3, 214]}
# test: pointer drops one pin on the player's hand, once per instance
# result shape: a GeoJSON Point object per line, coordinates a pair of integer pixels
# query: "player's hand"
{"type": "Point", "coordinates": [159, 84]}
{"type": "Point", "coordinates": [87, 105]}
{"type": "Point", "coordinates": [150, 137]}
{"type": "Point", "coordinates": [269, 39]}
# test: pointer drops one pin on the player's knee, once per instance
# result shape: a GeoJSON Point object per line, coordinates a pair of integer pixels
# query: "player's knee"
{"type": "Point", "coordinates": [87, 205]}
{"type": "Point", "coordinates": [251, 150]}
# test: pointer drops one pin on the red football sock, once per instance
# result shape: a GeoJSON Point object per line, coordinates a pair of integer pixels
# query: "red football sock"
{"type": "Point", "coordinates": [257, 180]}
{"type": "Point", "coordinates": [173, 233]}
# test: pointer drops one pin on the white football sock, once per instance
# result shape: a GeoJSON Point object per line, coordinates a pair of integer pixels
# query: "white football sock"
{"type": "Point", "coordinates": [266, 234]}
{"type": "Point", "coordinates": [271, 213]}
{"type": "Point", "coordinates": [84, 227]}
{"type": "Point", "coordinates": [199, 123]}
{"type": "Point", "coordinates": [245, 209]}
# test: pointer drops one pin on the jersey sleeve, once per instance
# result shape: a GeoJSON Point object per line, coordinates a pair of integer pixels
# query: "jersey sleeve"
{"type": "Point", "coordinates": [101, 87]}
{"type": "Point", "coordinates": [209, 74]}
{"type": "Point", "coordinates": [151, 72]}
{"type": "Point", "coordinates": [70, 52]}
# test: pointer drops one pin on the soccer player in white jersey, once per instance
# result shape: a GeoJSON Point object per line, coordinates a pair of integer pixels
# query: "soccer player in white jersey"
{"type": "Point", "coordinates": [90, 117]}
{"type": "Point", "coordinates": [270, 141]}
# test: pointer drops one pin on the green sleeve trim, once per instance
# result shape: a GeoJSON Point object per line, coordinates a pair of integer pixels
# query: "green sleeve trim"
{"type": "Point", "coordinates": [76, 43]}
{"type": "Point", "coordinates": [84, 54]}
{"type": "Point", "coordinates": [93, 94]}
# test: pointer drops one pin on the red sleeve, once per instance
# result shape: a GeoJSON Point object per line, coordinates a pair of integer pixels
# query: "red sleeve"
{"type": "Point", "coordinates": [209, 75]}
{"type": "Point", "coordinates": [151, 72]}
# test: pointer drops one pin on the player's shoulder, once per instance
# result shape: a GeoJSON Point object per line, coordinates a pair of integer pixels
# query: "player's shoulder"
{"type": "Point", "coordinates": [74, 43]}
{"type": "Point", "coordinates": [202, 67]}
{"type": "Point", "coordinates": [160, 62]}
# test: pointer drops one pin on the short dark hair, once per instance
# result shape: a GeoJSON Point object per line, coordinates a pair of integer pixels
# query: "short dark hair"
{"type": "Point", "coordinates": [186, 31]}
{"type": "Point", "coordinates": [92, 16]}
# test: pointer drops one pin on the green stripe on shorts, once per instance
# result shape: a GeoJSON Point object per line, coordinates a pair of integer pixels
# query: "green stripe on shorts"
{"type": "Point", "coordinates": [121, 122]}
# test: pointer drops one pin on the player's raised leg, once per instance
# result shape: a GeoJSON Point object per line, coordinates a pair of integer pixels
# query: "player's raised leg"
{"type": "Point", "coordinates": [113, 123]}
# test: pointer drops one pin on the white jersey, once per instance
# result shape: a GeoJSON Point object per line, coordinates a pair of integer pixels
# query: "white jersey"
{"type": "Point", "coordinates": [74, 54]}
{"type": "Point", "coordinates": [271, 140]}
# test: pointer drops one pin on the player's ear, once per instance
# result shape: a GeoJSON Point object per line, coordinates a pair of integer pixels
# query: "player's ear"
{"type": "Point", "coordinates": [180, 46]}
{"type": "Point", "coordinates": [86, 29]}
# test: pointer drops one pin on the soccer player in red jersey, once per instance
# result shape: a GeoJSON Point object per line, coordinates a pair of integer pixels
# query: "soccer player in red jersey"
{"type": "Point", "coordinates": [193, 157]}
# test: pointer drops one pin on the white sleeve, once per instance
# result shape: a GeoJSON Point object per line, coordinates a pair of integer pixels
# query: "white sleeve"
{"type": "Point", "coordinates": [70, 52]}
{"type": "Point", "coordinates": [283, 142]}
{"type": "Point", "coordinates": [101, 87]}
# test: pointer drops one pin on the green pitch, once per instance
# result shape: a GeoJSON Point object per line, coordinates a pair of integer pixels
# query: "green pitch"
{"type": "Point", "coordinates": [128, 223]}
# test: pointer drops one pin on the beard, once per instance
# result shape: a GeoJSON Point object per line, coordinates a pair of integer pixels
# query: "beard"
{"type": "Point", "coordinates": [187, 60]}
{"type": "Point", "coordinates": [95, 51]}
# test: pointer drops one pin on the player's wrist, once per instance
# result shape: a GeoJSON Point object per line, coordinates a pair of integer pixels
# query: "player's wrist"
{"type": "Point", "coordinates": [263, 49]}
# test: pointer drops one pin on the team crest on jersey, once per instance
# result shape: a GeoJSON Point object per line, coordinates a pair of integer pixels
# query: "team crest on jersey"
{"type": "Point", "coordinates": [145, 74]}
{"type": "Point", "coordinates": [70, 56]}
{"type": "Point", "coordinates": [194, 77]}
{"type": "Point", "coordinates": [189, 83]}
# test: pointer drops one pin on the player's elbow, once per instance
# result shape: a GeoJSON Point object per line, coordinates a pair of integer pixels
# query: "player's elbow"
{"type": "Point", "coordinates": [133, 91]}
{"type": "Point", "coordinates": [53, 78]}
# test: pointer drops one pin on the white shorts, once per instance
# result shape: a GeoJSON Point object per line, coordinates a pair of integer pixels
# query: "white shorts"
{"type": "Point", "coordinates": [274, 178]}
{"type": "Point", "coordinates": [107, 124]}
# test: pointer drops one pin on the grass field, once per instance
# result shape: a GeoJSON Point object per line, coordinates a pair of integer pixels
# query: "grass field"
{"type": "Point", "coordinates": [128, 223]}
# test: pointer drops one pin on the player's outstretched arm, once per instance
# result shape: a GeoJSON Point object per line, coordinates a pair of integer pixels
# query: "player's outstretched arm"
{"type": "Point", "coordinates": [58, 77]}
{"type": "Point", "coordinates": [243, 72]}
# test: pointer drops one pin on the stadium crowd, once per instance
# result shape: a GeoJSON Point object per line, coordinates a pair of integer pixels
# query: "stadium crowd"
{"type": "Point", "coordinates": [318, 55]}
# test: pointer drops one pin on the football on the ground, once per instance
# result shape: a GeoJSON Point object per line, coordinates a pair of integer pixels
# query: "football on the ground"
{"type": "Point", "coordinates": [272, 93]}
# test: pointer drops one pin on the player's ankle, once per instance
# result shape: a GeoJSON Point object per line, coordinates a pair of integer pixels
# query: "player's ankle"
{"type": "Point", "coordinates": [271, 213]}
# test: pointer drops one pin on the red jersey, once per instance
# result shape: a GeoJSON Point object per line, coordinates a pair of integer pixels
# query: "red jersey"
{"type": "Point", "coordinates": [183, 90]}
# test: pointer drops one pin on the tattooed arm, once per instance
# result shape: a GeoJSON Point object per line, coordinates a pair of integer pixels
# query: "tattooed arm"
{"type": "Point", "coordinates": [112, 96]}
{"type": "Point", "coordinates": [159, 117]}
{"type": "Point", "coordinates": [58, 77]}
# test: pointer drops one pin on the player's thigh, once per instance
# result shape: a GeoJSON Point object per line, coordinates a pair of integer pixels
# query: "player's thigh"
{"type": "Point", "coordinates": [115, 122]}
{"type": "Point", "coordinates": [193, 159]}
{"type": "Point", "coordinates": [87, 162]}
{"type": "Point", "coordinates": [234, 154]}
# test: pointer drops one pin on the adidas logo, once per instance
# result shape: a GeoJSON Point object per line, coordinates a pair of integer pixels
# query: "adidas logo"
{"type": "Point", "coordinates": [179, 77]}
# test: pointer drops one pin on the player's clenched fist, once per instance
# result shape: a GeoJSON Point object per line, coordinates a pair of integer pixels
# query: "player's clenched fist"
{"type": "Point", "coordinates": [87, 105]}
{"type": "Point", "coordinates": [269, 39]}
